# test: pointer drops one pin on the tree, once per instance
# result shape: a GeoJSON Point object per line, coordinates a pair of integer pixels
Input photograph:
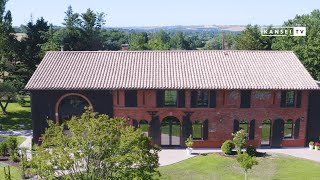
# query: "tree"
{"type": "Point", "coordinates": [216, 42]}
{"type": "Point", "coordinates": [9, 79]}
{"type": "Point", "coordinates": [159, 41]}
{"type": "Point", "coordinates": [71, 33]}
{"type": "Point", "coordinates": [239, 140]}
{"type": "Point", "coordinates": [113, 39]}
{"type": "Point", "coordinates": [99, 148]}
{"type": "Point", "coordinates": [138, 41]}
{"type": "Point", "coordinates": [251, 39]}
{"type": "Point", "coordinates": [246, 162]}
{"type": "Point", "coordinates": [53, 40]}
{"type": "Point", "coordinates": [32, 44]}
{"type": "Point", "coordinates": [7, 93]}
{"type": "Point", "coordinates": [90, 28]}
{"type": "Point", "coordinates": [178, 41]}
{"type": "Point", "coordinates": [307, 48]}
{"type": "Point", "coordinates": [83, 32]}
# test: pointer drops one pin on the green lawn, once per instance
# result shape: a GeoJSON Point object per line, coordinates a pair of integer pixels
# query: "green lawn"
{"type": "Point", "coordinates": [17, 115]}
{"type": "Point", "coordinates": [19, 138]}
{"type": "Point", "coordinates": [14, 171]}
{"type": "Point", "coordinates": [213, 166]}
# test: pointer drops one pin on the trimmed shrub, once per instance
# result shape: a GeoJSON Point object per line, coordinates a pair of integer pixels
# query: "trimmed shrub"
{"type": "Point", "coordinates": [4, 149]}
{"type": "Point", "coordinates": [227, 147]}
{"type": "Point", "coordinates": [13, 144]}
{"type": "Point", "coordinates": [252, 151]}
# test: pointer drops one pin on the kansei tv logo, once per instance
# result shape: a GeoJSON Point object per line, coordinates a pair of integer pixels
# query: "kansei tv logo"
{"type": "Point", "coordinates": [284, 31]}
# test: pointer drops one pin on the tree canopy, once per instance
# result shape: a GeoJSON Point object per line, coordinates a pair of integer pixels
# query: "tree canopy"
{"type": "Point", "coordinates": [307, 48]}
{"type": "Point", "coordinates": [95, 147]}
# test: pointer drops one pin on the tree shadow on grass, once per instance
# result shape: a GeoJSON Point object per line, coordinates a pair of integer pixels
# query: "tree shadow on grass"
{"type": "Point", "coordinates": [16, 120]}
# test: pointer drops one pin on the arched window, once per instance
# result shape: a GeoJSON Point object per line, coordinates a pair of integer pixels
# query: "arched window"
{"type": "Point", "coordinates": [72, 106]}
{"type": "Point", "coordinates": [144, 126]}
{"type": "Point", "coordinates": [197, 133]}
{"type": "Point", "coordinates": [244, 125]}
{"type": "Point", "coordinates": [288, 129]}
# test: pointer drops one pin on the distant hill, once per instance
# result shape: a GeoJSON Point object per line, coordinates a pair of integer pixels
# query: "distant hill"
{"type": "Point", "coordinates": [186, 29]}
{"type": "Point", "coordinates": [192, 28]}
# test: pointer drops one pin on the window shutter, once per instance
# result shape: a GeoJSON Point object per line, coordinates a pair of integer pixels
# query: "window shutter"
{"type": "Point", "coordinates": [283, 98]}
{"type": "Point", "coordinates": [155, 130]}
{"type": "Point", "coordinates": [296, 129]}
{"type": "Point", "coordinates": [135, 123]}
{"type": "Point", "coordinates": [299, 96]}
{"type": "Point", "coordinates": [186, 128]}
{"type": "Point", "coordinates": [245, 99]}
{"type": "Point", "coordinates": [194, 99]}
{"type": "Point", "coordinates": [181, 98]}
{"type": "Point", "coordinates": [130, 98]}
{"type": "Point", "coordinates": [160, 98]}
{"type": "Point", "coordinates": [205, 129]}
{"type": "Point", "coordinates": [213, 98]}
{"type": "Point", "coordinates": [235, 126]}
{"type": "Point", "coordinates": [252, 129]}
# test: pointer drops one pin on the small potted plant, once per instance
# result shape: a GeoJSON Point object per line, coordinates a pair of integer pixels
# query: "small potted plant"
{"type": "Point", "coordinates": [189, 144]}
{"type": "Point", "coordinates": [317, 146]}
{"type": "Point", "coordinates": [311, 145]}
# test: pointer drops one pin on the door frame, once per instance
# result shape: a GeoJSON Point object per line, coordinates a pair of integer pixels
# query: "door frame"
{"type": "Point", "coordinates": [270, 133]}
{"type": "Point", "coordinates": [171, 119]}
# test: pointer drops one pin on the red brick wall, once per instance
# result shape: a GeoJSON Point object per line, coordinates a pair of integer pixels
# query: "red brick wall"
{"type": "Point", "coordinates": [264, 105]}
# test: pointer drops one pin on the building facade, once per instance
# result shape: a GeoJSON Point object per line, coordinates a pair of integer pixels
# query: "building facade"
{"type": "Point", "coordinates": [173, 94]}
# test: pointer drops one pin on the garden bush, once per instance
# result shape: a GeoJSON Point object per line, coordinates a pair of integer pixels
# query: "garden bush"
{"type": "Point", "coordinates": [12, 144]}
{"type": "Point", "coordinates": [4, 148]}
{"type": "Point", "coordinates": [252, 151]}
{"type": "Point", "coordinates": [239, 140]}
{"type": "Point", "coordinates": [15, 157]}
{"type": "Point", "coordinates": [227, 147]}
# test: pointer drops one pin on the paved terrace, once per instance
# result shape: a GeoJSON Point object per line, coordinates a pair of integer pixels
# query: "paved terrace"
{"type": "Point", "coordinates": [171, 156]}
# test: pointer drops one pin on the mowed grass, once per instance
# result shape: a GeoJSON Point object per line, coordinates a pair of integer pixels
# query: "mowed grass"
{"type": "Point", "coordinates": [17, 115]}
{"type": "Point", "coordinates": [212, 166]}
{"type": "Point", "coordinates": [14, 171]}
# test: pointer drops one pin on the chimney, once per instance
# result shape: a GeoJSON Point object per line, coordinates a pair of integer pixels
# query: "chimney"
{"type": "Point", "coordinates": [61, 47]}
{"type": "Point", "coordinates": [124, 47]}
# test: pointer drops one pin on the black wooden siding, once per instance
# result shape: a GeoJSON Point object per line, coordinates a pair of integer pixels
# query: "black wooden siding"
{"type": "Point", "coordinates": [313, 121]}
{"type": "Point", "coordinates": [43, 106]}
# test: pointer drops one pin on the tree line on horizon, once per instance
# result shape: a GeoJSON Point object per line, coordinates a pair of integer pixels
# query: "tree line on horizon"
{"type": "Point", "coordinates": [85, 32]}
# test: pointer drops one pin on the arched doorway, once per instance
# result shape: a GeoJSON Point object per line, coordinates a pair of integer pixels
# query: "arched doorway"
{"type": "Point", "coordinates": [170, 131]}
{"type": "Point", "coordinates": [266, 133]}
{"type": "Point", "coordinates": [71, 105]}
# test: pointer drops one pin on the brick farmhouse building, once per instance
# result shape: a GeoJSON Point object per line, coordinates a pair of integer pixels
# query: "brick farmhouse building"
{"type": "Point", "coordinates": [172, 94]}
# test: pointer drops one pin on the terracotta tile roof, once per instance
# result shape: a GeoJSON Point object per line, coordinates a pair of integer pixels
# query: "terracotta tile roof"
{"type": "Point", "coordinates": [171, 70]}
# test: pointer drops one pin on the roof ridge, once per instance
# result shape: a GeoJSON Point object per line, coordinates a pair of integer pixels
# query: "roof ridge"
{"type": "Point", "coordinates": [103, 51]}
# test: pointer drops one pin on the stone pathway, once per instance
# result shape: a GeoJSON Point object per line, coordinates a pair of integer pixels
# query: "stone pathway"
{"type": "Point", "coordinates": [171, 156]}
{"type": "Point", "coordinates": [27, 144]}
{"type": "Point", "coordinates": [17, 133]}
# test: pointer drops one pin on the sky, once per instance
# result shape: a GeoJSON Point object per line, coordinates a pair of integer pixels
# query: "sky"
{"type": "Point", "coordinates": [125, 13]}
